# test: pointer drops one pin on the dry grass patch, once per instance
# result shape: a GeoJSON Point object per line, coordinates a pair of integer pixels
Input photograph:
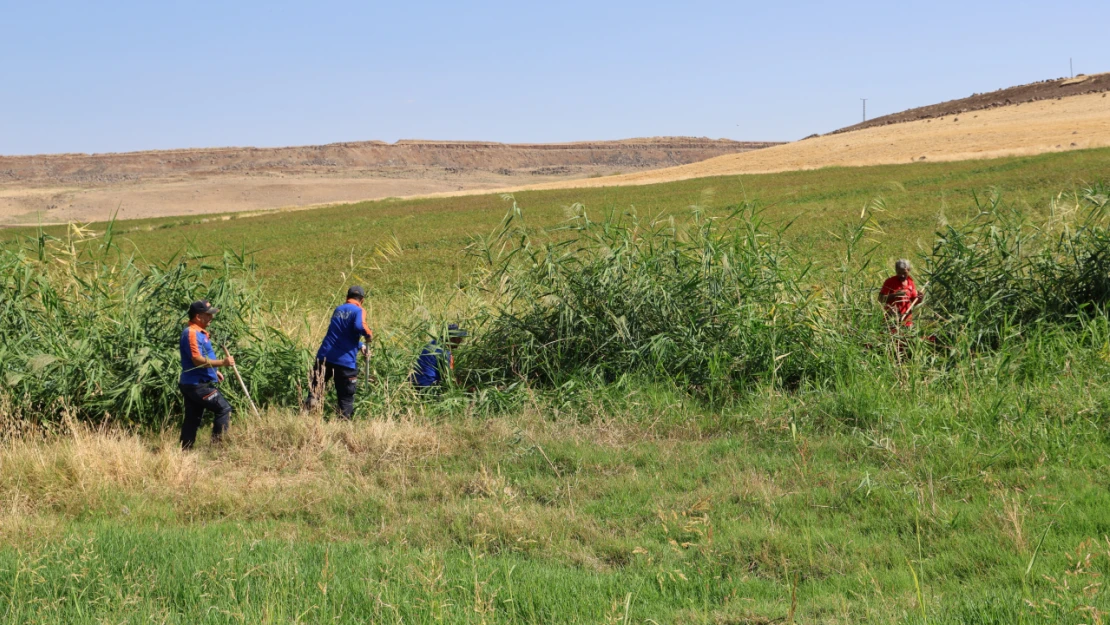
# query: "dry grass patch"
{"type": "Point", "coordinates": [280, 457]}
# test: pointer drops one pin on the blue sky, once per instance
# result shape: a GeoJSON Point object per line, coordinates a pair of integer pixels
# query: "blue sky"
{"type": "Point", "coordinates": [119, 76]}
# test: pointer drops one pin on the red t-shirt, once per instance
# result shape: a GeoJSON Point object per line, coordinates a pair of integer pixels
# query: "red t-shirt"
{"type": "Point", "coordinates": [901, 305]}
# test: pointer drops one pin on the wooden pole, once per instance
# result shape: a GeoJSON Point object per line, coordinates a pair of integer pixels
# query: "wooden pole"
{"type": "Point", "coordinates": [241, 384]}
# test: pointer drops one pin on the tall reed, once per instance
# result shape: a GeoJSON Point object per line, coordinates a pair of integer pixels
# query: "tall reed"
{"type": "Point", "coordinates": [1004, 270]}
{"type": "Point", "coordinates": [87, 327]}
{"type": "Point", "coordinates": [716, 303]}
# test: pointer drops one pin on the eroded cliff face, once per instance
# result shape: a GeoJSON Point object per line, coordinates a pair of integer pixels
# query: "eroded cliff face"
{"type": "Point", "coordinates": [61, 188]}
{"type": "Point", "coordinates": [366, 157]}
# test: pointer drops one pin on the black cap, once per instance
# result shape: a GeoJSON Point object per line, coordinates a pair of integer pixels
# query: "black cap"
{"type": "Point", "coordinates": [356, 291]}
{"type": "Point", "coordinates": [202, 306]}
{"type": "Point", "coordinates": [453, 330]}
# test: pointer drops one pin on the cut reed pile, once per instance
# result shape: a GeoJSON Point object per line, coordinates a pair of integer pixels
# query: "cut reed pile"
{"type": "Point", "coordinates": [276, 461]}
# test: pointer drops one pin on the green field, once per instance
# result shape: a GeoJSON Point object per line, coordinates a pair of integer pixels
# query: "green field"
{"type": "Point", "coordinates": [937, 487]}
{"type": "Point", "coordinates": [302, 253]}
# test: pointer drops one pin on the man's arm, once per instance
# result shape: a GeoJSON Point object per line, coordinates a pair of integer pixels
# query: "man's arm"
{"type": "Point", "coordinates": [200, 360]}
{"type": "Point", "coordinates": [363, 328]}
{"type": "Point", "coordinates": [212, 363]}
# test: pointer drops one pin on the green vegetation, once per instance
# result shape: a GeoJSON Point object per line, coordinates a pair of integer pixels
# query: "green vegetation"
{"type": "Point", "coordinates": [684, 415]}
{"type": "Point", "coordinates": [86, 331]}
{"type": "Point", "coordinates": [1001, 270]}
{"type": "Point", "coordinates": [717, 305]}
{"type": "Point", "coordinates": [838, 499]}
{"type": "Point", "coordinates": [301, 254]}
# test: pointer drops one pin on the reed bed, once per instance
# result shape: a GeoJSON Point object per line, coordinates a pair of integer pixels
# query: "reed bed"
{"type": "Point", "coordinates": [90, 331]}
{"type": "Point", "coordinates": [713, 303]}
{"type": "Point", "coordinates": [719, 304]}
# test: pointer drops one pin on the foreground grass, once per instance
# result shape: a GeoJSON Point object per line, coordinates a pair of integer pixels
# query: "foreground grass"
{"type": "Point", "coordinates": [968, 488]}
{"type": "Point", "coordinates": [295, 249]}
{"type": "Point", "coordinates": [969, 498]}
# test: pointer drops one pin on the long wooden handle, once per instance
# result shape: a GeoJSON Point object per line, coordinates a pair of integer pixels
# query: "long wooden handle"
{"type": "Point", "coordinates": [913, 305]}
{"type": "Point", "coordinates": [366, 357]}
{"type": "Point", "coordinates": [902, 318]}
{"type": "Point", "coordinates": [241, 384]}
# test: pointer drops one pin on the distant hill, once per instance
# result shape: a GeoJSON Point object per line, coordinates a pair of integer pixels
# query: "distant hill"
{"type": "Point", "coordinates": [337, 158]}
{"type": "Point", "coordinates": [1040, 125]}
{"type": "Point", "coordinates": [81, 187]}
{"type": "Point", "coordinates": [1033, 92]}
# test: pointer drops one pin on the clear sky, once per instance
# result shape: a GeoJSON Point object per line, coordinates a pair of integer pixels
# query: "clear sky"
{"type": "Point", "coordinates": [117, 76]}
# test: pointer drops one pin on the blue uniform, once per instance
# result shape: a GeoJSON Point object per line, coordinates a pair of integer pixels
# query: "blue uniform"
{"type": "Point", "coordinates": [429, 365]}
{"type": "Point", "coordinates": [194, 342]}
{"type": "Point", "coordinates": [348, 326]}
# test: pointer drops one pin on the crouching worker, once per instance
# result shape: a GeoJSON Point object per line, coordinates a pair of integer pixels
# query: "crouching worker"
{"type": "Point", "coordinates": [437, 362]}
{"type": "Point", "coordinates": [199, 376]}
{"type": "Point", "coordinates": [337, 358]}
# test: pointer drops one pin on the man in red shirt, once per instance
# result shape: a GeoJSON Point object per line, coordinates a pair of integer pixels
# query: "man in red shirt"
{"type": "Point", "coordinates": [899, 294]}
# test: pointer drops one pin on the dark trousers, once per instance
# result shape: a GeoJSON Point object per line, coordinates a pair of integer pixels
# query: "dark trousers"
{"type": "Point", "coordinates": [198, 398]}
{"type": "Point", "coordinates": [346, 382]}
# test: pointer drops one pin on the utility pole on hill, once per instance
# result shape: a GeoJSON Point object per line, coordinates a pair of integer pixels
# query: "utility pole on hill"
{"type": "Point", "coordinates": [864, 108]}
{"type": "Point", "coordinates": [1071, 68]}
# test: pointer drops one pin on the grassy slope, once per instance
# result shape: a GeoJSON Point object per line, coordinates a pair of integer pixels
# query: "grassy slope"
{"type": "Point", "coordinates": [565, 511]}
{"type": "Point", "coordinates": [302, 253]}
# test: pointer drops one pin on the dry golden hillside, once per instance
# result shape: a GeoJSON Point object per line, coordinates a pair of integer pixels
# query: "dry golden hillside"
{"type": "Point", "coordinates": [1071, 123]}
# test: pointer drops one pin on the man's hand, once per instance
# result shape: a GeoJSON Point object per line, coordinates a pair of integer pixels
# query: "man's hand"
{"type": "Point", "coordinates": [227, 362]}
{"type": "Point", "coordinates": [364, 349]}
{"type": "Point", "coordinates": [219, 376]}
{"type": "Point", "coordinates": [895, 296]}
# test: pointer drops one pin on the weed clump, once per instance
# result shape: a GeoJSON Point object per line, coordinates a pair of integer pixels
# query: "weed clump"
{"type": "Point", "coordinates": [715, 304]}
{"type": "Point", "coordinates": [89, 330]}
{"type": "Point", "coordinates": [1002, 271]}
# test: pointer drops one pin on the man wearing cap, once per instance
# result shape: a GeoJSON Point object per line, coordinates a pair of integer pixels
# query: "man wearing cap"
{"type": "Point", "coordinates": [436, 361]}
{"type": "Point", "coordinates": [337, 357]}
{"type": "Point", "coordinates": [199, 375]}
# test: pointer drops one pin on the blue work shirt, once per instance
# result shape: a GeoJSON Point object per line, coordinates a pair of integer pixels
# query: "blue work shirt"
{"type": "Point", "coordinates": [194, 342]}
{"type": "Point", "coordinates": [428, 366]}
{"type": "Point", "coordinates": [348, 326]}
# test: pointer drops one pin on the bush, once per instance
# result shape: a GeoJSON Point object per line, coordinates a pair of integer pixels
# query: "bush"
{"type": "Point", "coordinates": [715, 304]}
{"type": "Point", "coordinates": [87, 329]}
{"type": "Point", "coordinates": [1001, 271]}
